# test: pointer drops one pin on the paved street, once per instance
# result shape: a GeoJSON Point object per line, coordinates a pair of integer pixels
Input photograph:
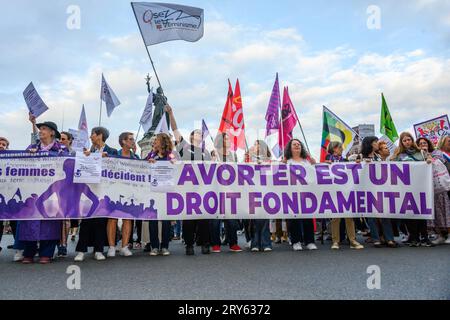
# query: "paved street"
{"type": "Point", "coordinates": [406, 273]}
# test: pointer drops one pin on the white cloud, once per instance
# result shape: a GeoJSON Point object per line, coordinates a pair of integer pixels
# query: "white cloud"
{"type": "Point", "coordinates": [195, 80]}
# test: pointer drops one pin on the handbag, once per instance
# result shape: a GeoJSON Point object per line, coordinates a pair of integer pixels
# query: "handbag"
{"type": "Point", "coordinates": [441, 177]}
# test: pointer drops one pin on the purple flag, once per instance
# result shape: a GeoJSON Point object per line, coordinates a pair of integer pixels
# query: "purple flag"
{"type": "Point", "coordinates": [205, 133]}
{"type": "Point", "coordinates": [273, 123]}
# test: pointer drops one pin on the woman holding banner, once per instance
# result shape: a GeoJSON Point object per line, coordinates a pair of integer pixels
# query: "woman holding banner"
{"type": "Point", "coordinates": [193, 150]}
{"type": "Point", "coordinates": [295, 152]}
{"type": "Point", "coordinates": [162, 151]}
{"type": "Point", "coordinates": [335, 150]}
{"type": "Point", "coordinates": [369, 149]}
{"type": "Point", "coordinates": [46, 232]}
{"type": "Point", "coordinates": [126, 142]}
{"type": "Point", "coordinates": [93, 231]}
{"type": "Point", "coordinates": [67, 140]}
{"type": "Point", "coordinates": [407, 150]}
{"type": "Point", "coordinates": [260, 228]}
{"type": "Point", "coordinates": [441, 220]}
{"type": "Point", "coordinates": [222, 144]}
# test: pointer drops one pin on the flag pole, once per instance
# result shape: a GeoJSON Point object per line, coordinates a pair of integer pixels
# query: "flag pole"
{"type": "Point", "coordinates": [139, 130]}
{"type": "Point", "coordinates": [282, 134]}
{"type": "Point", "coordinates": [100, 118]}
{"type": "Point", "coordinates": [146, 48]}
{"type": "Point", "coordinates": [303, 134]}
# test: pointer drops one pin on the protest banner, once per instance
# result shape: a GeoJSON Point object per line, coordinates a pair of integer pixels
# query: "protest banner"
{"type": "Point", "coordinates": [213, 190]}
{"type": "Point", "coordinates": [433, 129]}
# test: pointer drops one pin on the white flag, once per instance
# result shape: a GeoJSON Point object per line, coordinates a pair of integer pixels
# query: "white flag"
{"type": "Point", "coordinates": [161, 22]}
{"type": "Point", "coordinates": [82, 123]}
{"type": "Point", "coordinates": [83, 134]}
{"type": "Point", "coordinates": [162, 125]}
{"type": "Point", "coordinates": [146, 119]}
{"type": "Point", "coordinates": [108, 96]}
{"type": "Point", "coordinates": [34, 102]}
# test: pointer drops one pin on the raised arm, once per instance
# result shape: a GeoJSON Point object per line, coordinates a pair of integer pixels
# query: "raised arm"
{"type": "Point", "coordinates": [173, 123]}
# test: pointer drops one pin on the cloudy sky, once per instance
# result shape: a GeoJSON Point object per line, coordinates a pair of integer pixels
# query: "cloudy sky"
{"type": "Point", "coordinates": [322, 50]}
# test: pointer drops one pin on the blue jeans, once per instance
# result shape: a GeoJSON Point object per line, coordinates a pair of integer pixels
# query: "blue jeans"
{"type": "Point", "coordinates": [46, 248]}
{"type": "Point", "coordinates": [231, 227]}
{"type": "Point", "coordinates": [177, 229]}
{"type": "Point", "coordinates": [385, 225]}
{"type": "Point", "coordinates": [165, 234]}
{"type": "Point", "coordinates": [261, 234]}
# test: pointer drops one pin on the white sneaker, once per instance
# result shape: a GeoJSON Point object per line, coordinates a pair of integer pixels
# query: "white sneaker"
{"type": "Point", "coordinates": [125, 251]}
{"type": "Point", "coordinates": [18, 256]}
{"type": "Point", "coordinates": [111, 252]}
{"type": "Point", "coordinates": [79, 257]}
{"type": "Point", "coordinates": [248, 245]}
{"type": "Point", "coordinates": [438, 241]}
{"type": "Point", "coordinates": [311, 246]}
{"type": "Point", "coordinates": [165, 252]}
{"type": "Point", "coordinates": [297, 246]}
{"type": "Point", "coordinates": [99, 256]}
{"type": "Point", "coordinates": [268, 249]}
{"type": "Point", "coordinates": [448, 240]}
{"type": "Point", "coordinates": [255, 249]}
{"type": "Point", "coordinates": [154, 252]}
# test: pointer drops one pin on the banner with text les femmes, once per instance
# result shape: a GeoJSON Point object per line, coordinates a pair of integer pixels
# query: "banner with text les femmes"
{"type": "Point", "coordinates": [35, 187]}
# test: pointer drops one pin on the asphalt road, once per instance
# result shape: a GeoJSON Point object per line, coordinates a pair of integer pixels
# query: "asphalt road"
{"type": "Point", "coordinates": [406, 273]}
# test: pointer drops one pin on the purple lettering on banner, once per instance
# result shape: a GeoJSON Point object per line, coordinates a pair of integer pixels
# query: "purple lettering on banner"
{"type": "Point", "coordinates": [233, 196]}
{"type": "Point", "coordinates": [290, 203]}
{"type": "Point", "coordinates": [339, 171]}
{"type": "Point", "coordinates": [245, 174]}
{"type": "Point", "coordinates": [360, 197]}
{"type": "Point", "coordinates": [272, 196]}
{"type": "Point", "coordinates": [347, 204]}
{"type": "Point", "coordinates": [207, 197]}
{"type": "Point", "coordinates": [193, 202]}
{"type": "Point", "coordinates": [323, 171]}
{"type": "Point", "coordinates": [220, 178]}
{"type": "Point", "coordinates": [171, 210]}
{"type": "Point", "coordinates": [376, 202]}
{"type": "Point", "coordinates": [327, 203]}
{"type": "Point", "coordinates": [254, 201]}
{"type": "Point", "coordinates": [188, 175]}
{"type": "Point", "coordinates": [423, 205]}
{"type": "Point", "coordinates": [354, 167]}
{"type": "Point", "coordinates": [392, 196]}
{"type": "Point", "coordinates": [279, 175]}
{"type": "Point", "coordinates": [263, 169]}
{"type": "Point", "coordinates": [304, 196]}
{"type": "Point", "coordinates": [207, 176]}
{"type": "Point", "coordinates": [404, 175]}
{"type": "Point", "coordinates": [222, 202]}
{"type": "Point", "coordinates": [373, 174]}
{"type": "Point", "coordinates": [409, 204]}
{"type": "Point", "coordinates": [298, 174]}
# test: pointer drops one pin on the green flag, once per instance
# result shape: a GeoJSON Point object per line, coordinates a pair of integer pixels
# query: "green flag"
{"type": "Point", "coordinates": [387, 126]}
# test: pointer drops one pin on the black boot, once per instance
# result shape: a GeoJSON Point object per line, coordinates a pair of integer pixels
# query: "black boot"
{"type": "Point", "coordinates": [190, 251]}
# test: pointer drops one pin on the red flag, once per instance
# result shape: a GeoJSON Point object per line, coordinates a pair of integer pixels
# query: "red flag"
{"type": "Point", "coordinates": [288, 120]}
{"type": "Point", "coordinates": [225, 122]}
{"type": "Point", "coordinates": [233, 118]}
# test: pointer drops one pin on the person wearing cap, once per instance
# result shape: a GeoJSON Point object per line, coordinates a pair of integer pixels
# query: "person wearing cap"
{"type": "Point", "coordinates": [93, 231]}
{"type": "Point", "coordinates": [46, 232]}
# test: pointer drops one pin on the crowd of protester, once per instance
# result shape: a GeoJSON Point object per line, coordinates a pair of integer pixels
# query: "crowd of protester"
{"type": "Point", "coordinates": [43, 238]}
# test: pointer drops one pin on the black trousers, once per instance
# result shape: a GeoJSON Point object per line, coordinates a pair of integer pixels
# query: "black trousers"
{"type": "Point", "coordinates": [296, 226]}
{"type": "Point", "coordinates": [417, 228]}
{"type": "Point", "coordinates": [1, 230]}
{"type": "Point", "coordinates": [92, 234]}
{"type": "Point", "coordinates": [196, 229]}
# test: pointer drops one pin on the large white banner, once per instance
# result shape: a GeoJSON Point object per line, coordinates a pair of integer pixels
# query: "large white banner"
{"type": "Point", "coordinates": [43, 188]}
{"type": "Point", "coordinates": [161, 22]}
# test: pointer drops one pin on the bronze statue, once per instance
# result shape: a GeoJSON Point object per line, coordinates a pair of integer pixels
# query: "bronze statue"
{"type": "Point", "coordinates": [160, 101]}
